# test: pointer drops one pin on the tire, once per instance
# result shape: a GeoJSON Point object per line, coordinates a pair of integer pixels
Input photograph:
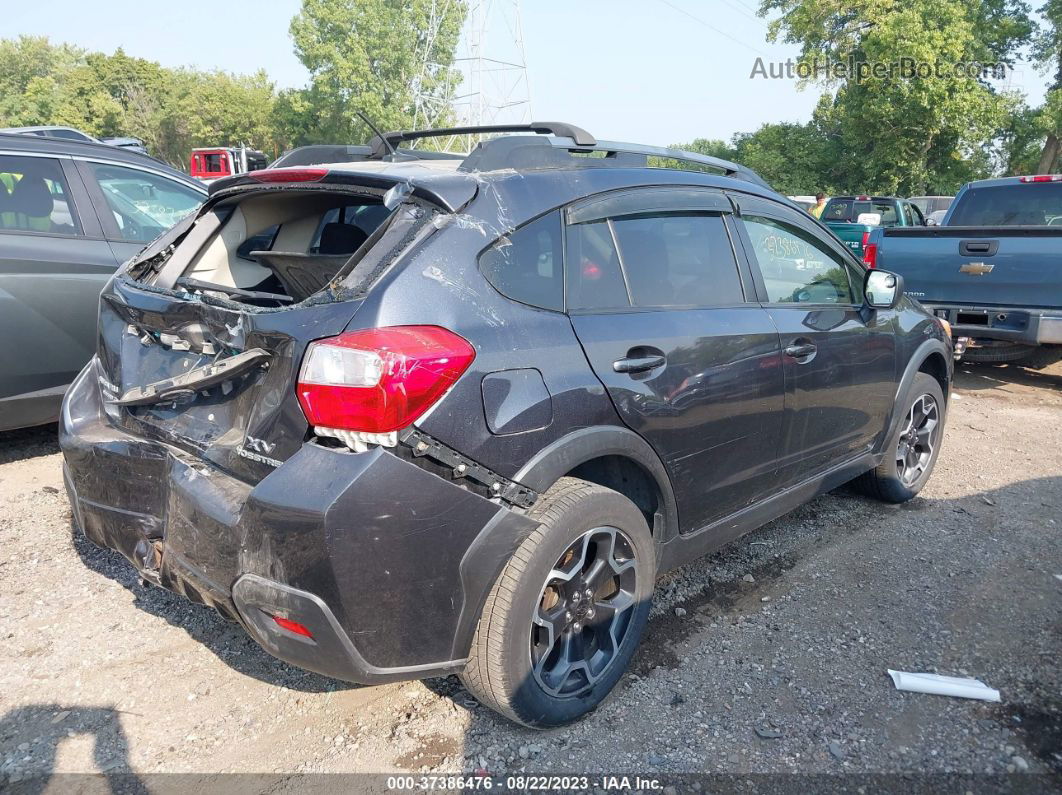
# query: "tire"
{"type": "Point", "coordinates": [997, 354]}
{"type": "Point", "coordinates": [581, 524]}
{"type": "Point", "coordinates": [894, 480]}
{"type": "Point", "coordinates": [1035, 357]}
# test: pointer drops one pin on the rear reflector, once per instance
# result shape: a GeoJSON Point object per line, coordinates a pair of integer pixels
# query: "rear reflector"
{"type": "Point", "coordinates": [870, 254]}
{"type": "Point", "coordinates": [292, 626]}
{"type": "Point", "coordinates": [289, 175]}
{"type": "Point", "coordinates": [1042, 178]}
{"type": "Point", "coordinates": [379, 380]}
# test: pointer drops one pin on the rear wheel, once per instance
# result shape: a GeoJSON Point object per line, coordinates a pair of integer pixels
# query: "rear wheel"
{"type": "Point", "coordinates": [566, 614]}
{"type": "Point", "coordinates": [912, 451]}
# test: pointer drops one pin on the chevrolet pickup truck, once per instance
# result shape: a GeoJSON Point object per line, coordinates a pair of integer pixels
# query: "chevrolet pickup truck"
{"type": "Point", "coordinates": [993, 268]}
{"type": "Point", "coordinates": [852, 218]}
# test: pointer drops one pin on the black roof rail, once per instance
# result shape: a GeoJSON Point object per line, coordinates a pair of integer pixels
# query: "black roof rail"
{"type": "Point", "coordinates": [559, 128]}
{"type": "Point", "coordinates": [523, 152]}
{"type": "Point", "coordinates": [559, 146]}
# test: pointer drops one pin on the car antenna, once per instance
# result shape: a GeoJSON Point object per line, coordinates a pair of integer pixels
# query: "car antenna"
{"type": "Point", "coordinates": [376, 131]}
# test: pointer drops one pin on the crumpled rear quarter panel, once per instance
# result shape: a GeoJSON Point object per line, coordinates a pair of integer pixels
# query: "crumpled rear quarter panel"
{"type": "Point", "coordinates": [379, 539]}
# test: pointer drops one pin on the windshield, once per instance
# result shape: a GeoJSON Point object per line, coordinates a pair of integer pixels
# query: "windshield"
{"type": "Point", "coordinates": [848, 211]}
{"type": "Point", "coordinates": [1019, 204]}
{"type": "Point", "coordinates": [932, 204]}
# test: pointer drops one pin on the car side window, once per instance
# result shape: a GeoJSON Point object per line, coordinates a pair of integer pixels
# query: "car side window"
{"type": "Point", "coordinates": [593, 268]}
{"type": "Point", "coordinates": [144, 205]}
{"type": "Point", "coordinates": [34, 197]}
{"type": "Point", "coordinates": [678, 259]}
{"type": "Point", "coordinates": [528, 265]}
{"type": "Point", "coordinates": [70, 135]}
{"type": "Point", "coordinates": [797, 268]}
{"type": "Point", "coordinates": [908, 218]}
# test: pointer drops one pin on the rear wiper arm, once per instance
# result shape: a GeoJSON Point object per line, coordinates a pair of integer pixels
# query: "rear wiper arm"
{"type": "Point", "coordinates": [197, 378]}
{"type": "Point", "coordinates": [195, 284]}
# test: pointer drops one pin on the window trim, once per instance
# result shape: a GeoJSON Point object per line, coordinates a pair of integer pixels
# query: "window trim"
{"type": "Point", "coordinates": [756, 205]}
{"type": "Point", "coordinates": [648, 200]}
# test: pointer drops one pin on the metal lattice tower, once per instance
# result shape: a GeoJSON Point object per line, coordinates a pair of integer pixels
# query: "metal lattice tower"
{"type": "Point", "coordinates": [490, 56]}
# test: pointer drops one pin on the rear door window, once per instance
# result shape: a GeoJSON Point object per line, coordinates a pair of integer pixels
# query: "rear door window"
{"type": "Point", "coordinates": [527, 265]}
{"type": "Point", "coordinates": [144, 205]}
{"type": "Point", "coordinates": [34, 197]}
{"type": "Point", "coordinates": [678, 259]}
{"type": "Point", "coordinates": [594, 278]}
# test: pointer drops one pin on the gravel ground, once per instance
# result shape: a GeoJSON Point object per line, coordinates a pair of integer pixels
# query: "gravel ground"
{"type": "Point", "coordinates": [767, 657]}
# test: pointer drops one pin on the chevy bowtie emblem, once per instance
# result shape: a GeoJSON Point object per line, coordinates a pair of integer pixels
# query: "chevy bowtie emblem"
{"type": "Point", "coordinates": [976, 268]}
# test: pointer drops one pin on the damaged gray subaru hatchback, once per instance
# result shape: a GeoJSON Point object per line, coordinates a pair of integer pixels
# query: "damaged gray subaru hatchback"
{"type": "Point", "coordinates": [410, 416]}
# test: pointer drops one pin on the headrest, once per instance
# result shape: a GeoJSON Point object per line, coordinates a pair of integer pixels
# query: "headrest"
{"type": "Point", "coordinates": [339, 238]}
{"type": "Point", "coordinates": [32, 197]}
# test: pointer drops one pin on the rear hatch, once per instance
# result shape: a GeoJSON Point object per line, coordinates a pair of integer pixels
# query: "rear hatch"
{"type": "Point", "coordinates": [201, 337]}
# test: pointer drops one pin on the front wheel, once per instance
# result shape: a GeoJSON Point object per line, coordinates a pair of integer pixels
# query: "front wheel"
{"type": "Point", "coordinates": [912, 451]}
{"type": "Point", "coordinates": [566, 614]}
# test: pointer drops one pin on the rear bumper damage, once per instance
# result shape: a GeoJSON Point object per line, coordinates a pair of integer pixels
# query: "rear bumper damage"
{"type": "Point", "coordinates": [386, 563]}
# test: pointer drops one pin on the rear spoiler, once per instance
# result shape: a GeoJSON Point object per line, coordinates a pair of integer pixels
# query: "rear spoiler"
{"type": "Point", "coordinates": [450, 192]}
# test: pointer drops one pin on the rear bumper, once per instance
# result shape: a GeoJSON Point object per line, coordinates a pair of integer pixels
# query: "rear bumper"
{"type": "Point", "coordinates": [1013, 324]}
{"type": "Point", "coordinates": [386, 563]}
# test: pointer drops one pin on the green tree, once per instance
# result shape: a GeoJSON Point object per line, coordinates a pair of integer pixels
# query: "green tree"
{"type": "Point", "coordinates": [367, 56]}
{"type": "Point", "coordinates": [1020, 142]}
{"type": "Point", "coordinates": [709, 146]}
{"type": "Point", "coordinates": [898, 132]}
{"type": "Point", "coordinates": [30, 92]}
{"type": "Point", "coordinates": [1047, 53]}
{"type": "Point", "coordinates": [795, 159]}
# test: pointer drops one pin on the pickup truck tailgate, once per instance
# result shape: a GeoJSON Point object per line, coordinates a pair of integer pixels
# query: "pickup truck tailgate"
{"type": "Point", "coordinates": [1010, 266]}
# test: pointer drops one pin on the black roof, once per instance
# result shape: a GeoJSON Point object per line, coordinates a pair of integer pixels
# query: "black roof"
{"type": "Point", "coordinates": [13, 142]}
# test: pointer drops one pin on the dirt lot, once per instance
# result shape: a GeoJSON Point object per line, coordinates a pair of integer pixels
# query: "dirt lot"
{"type": "Point", "coordinates": [788, 632]}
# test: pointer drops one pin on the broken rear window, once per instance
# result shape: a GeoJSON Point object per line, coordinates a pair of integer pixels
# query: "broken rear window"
{"type": "Point", "coordinates": [273, 248]}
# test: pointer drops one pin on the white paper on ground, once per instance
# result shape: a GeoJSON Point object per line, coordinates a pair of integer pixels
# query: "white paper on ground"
{"type": "Point", "coordinates": [943, 685]}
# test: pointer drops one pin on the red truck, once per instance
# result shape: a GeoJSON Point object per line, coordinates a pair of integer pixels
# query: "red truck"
{"type": "Point", "coordinates": [214, 162]}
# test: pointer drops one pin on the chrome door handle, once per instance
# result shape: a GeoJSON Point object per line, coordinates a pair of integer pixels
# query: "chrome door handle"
{"type": "Point", "coordinates": [800, 350]}
{"type": "Point", "coordinates": [638, 364]}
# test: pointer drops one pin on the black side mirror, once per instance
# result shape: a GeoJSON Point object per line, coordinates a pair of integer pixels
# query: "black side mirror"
{"type": "Point", "coordinates": [882, 290]}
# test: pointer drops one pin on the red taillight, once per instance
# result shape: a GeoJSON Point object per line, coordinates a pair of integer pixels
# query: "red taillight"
{"type": "Point", "coordinates": [870, 255]}
{"type": "Point", "coordinates": [1042, 178]}
{"type": "Point", "coordinates": [293, 626]}
{"type": "Point", "coordinates": [380, 380]}
{"type": "Point", "coordinates": [289, 175]}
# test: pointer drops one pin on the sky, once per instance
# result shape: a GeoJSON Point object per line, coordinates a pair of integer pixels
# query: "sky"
{"type": "Point", "coordinates": [652, 71]}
